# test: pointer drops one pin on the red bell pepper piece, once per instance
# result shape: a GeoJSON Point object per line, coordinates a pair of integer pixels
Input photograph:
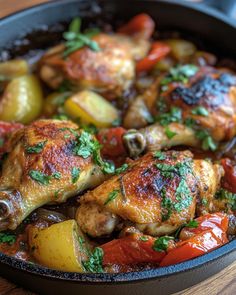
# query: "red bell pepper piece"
{"type": "Point", "coordinates": [209, 235]}
{"type": "Point", "coordinates": [131, 250]}
{"type": "Point", "coordinates": [229, 180]}
{"type": "Point", "coordinates": [112, 142]}
{"type": "Point", "coordinates": [141, 25]}
{"type": "Point", "coordinates": [157, 52]}
{"type": "Point", "coordinates": [206, 222]}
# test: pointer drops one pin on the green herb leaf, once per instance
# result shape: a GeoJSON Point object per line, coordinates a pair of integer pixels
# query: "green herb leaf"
{"type": "Point", "coordinates": [207, 141]}
{"type": "Point", "coordinates": [122, 169]}
{"type": "Point", "coordinates": [76, 40]}
{"type": "Point", "coordinates": [75, 173]}
{"type": "Point", "coordinates": [223, 194]}
{"type": "Point", "coordinates": [7, 238]}
{"type": "Point", "coordinates": [170, 134]}
{"type": "Point", "coordinates": [40, 177]}
{"type": "Point", "coordinates": [201, 111]}
{"type": "Point", "coordinates": [192, 224]}
{"type": "Point", "coordinates": [94, 263]}
{"type": "Point", "coordinates": [161, 244]}
{"type": "Point", "coordinates": [190, 122]}
{"type": "Point", "coordinates": [179, 74]}
{"type": "Point", "coordinates": [159, 155]}
{"type": "Point", "coordinates": [175, 115]}
{"type": "Point", "coordinates": [143, 238]}
{"type": "Point", "coordinates": [75, 25]}
{"type": "Point", "coordinates": [183, 196]}
{"type": "Point", "coordinates": [56, 175]}
{"type": "Point", "coordinates": [108, 167]}
{"type": "Point", "coordinates": [111, 196]}
{"type": "Point", "coordinates": [35, 149]}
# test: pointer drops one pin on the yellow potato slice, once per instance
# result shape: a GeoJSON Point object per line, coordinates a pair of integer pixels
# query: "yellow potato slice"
{"type": "Point", "coordinates": [61, 246]}
{"type": "Point", "coordinates": [22, 100]}
{"type": "Point", "coordinates": [92, 108]}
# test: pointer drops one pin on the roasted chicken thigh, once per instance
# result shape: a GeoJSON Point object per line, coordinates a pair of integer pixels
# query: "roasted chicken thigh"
{"type": "Point", "coordinates": [109, 71]}
{"type": "Point", "coordinates": [157, 193]}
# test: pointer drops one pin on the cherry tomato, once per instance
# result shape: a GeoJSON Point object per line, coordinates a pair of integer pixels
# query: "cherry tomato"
{"type": "Point", "coordinates": [112, 142]}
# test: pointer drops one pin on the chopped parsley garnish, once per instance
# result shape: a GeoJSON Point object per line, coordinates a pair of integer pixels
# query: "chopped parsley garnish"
{"type": "Point", "coordinates": [223, 194]}
{"type": "Point", "coordinates": [169, 133]}
{"type": "Point", "coordinates": [190, 122]}
{"type": "Point", "coordinates": [159, 155]}
{"type": "Point", "coordinates": [161, 244]}
{"type": "Point", "coordinates": [179, 74]}
{"type": "Point", "coordinates": [75, 173]}
{"type": "Point", "coordinates": [175, 115]}
{"type": "Point", "coordinates": [94, 263]}
{"type": "Point", "coordinates": [85, 146]}
{"type": "Point", "coordinates": [167, 171]}
{"type": "Point", "coordinates": [201, 111]}
{"type": "Point", "coordinates": [7, 238]}
{"type": "Point", "coordinates": [56, 175]}
{"type": "Point", "coordinates": [207, 141]}
{"type": "Point", "coordinates": [122, 169]}
{"type": "Point", "coordinates": [204, 202]}
{"type": "Point", "coordinates": [182, 193]}
{"type": "Point", "coordinates": [143, 238]}
{"type": "Point", "coordinates": [192, 224]}
{"type": "Point", "coordinates": [75, 39]}
{"type": "Point", "coordinates": [111, 196]}
{"type": "Point", "coordinates": [183, 196]}
{"type": "Point", "coordinates": [35, 149]}
{"type": "Point", "coordinates": [61, 117]}
{"type": "Point", "coordinates": [40, 177]}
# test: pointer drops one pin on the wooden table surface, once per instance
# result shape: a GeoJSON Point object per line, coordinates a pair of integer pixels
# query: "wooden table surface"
{"type": "Point", "coordinates": [223, 283]}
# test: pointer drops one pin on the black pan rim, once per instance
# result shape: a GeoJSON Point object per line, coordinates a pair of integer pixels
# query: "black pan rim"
{"type": "Point", "coordinates": [108, 278]}
{"type": "Point", "coordinates": [195, 6]}
{"type": "Point", "coordinates": [119, 278]}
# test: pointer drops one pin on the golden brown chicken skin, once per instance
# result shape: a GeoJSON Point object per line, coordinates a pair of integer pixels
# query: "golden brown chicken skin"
{"type": "Point", "coordinates": [42, 167]}
{"type": "Point", "coordinates": [213, 89]}
{"type": "Point", "coordinates": [207, 100]}
{"type": "Point", "coordinates": [158, 194]}
{"type": "Point", "coordinates": [110, 71]}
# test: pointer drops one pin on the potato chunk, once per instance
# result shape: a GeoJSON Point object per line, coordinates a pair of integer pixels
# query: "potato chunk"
{"type": "Point", "coordinates": [90, 107]}
{"type": "Point", "coordinates": [61, 246]}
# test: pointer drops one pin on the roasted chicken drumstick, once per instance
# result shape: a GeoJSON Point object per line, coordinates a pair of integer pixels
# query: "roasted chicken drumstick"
{"type": "Point", "coordinates": [200, 112]}
{"type": "Point", "coordinates": [47, 162]}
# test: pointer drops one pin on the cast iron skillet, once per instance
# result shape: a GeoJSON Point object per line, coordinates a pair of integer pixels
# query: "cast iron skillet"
{"type": "Point", "coordinates": [201, 21]}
